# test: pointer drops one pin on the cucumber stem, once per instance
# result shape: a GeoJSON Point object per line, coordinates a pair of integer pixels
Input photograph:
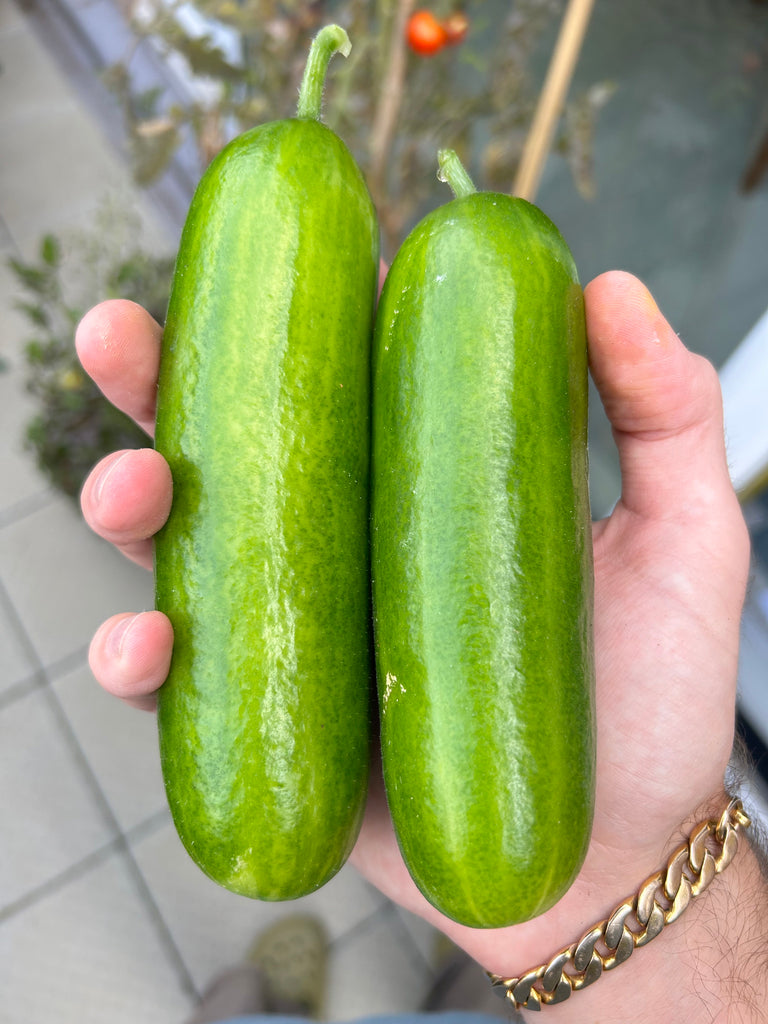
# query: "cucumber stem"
{"type": "Point", "coordinates": [329, 40]}
{"type": "Point", "coordinates": [452, 171]}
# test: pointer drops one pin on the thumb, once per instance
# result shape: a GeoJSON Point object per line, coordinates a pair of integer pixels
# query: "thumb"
{"type": "Point", "coordinates": [663, 403]}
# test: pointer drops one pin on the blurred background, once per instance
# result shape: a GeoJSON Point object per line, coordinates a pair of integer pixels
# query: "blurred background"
{"type": "Point", "coordinates": [109, 112]}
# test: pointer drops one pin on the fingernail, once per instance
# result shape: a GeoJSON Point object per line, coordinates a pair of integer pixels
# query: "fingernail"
{"type": "Point", "coordinates": [118, 633]}
{"type": "Point", "coordinates": [104, 475]}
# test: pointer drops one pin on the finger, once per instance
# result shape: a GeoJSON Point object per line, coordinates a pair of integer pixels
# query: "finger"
{"type": "Point", "coordinates": [118, 344]}
{"type": "Point", "coordinates": [130, 656]}
{"type": "Point", "coordinates": [663, 401]}
{"type": "Point", "coordinates": [127, 498]}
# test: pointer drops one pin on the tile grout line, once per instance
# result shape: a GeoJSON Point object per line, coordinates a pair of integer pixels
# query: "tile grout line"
{"type": "Point", "coordinates": [150, 904]}
{"type": "Point", "coordinates": [362, 927]}
{"type": "Point", "coordinates": [387, 912]}
{"type": "Point", "coordinates": [59, 881]}
{"type": "Point", "coordinates": [407, 939]}
{"type": "Point", "coordinates": [91, 781]}
{"type": "Point", "coordinates": [21, 633]}
{"type": "Point", "coordinates": [83, 866]}
{"type": "Point", "coordinates": [29, 684]}
{"type": "Point", "coordinates": [19, 510]}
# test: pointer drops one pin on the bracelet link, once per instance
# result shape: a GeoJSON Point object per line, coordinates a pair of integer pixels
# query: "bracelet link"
{"type": "Point", "coordinates": [661, 899]}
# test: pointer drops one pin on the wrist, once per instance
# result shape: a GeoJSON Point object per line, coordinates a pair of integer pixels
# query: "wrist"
{"type": "Point", "coordinates": [691, 938]}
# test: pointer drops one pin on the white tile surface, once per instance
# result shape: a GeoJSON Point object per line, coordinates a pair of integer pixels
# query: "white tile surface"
{"type": "Point", "coordinates": [51, 820]}
{"type": "Point", "coordinates": [375, 972]}
{"type": "Point", "coordinates": [63, 580]}
{"type": "Point", "coordinates": [214, 928]}
{"type": "Point", "coordinates": [89, 953]}
{"type": "Point", "coordinates": [120, 745]}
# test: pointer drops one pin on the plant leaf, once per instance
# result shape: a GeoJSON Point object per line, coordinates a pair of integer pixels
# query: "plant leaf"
{"type": "Point", "coordinates": [50, 251]}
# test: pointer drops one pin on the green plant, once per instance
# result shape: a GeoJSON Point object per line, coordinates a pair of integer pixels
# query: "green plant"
{"type": "Point", "coordinates": [75, 425]}
{"type": "Point", "coordinates": [392, 106]}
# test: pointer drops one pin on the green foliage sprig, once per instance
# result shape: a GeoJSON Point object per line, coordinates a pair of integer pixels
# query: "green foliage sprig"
{"type": "Point", "coordinates": [393, 107]}
{"type": "Point", "coordinates": [75, 425]}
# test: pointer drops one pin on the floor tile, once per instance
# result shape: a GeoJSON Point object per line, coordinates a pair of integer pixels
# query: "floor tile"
{"type": "Point", "coordinates": [89, 953]}
{"type": "Point", "coordinates": [213, 928]}
{"type": "Point", "coordinates": [63, 580]}
{"type": "Point", "coordinates": [375, 972]}
{"type": "Point", "coordinates": [51, 819]}
{"type": "Point", "coordinates": [120, 745]}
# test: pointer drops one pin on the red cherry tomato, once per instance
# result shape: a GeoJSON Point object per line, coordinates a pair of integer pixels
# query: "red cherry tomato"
{"type": "Point", "coordinates": [426, 35]}
{"type": "Point", "coordinates": [456, 27]}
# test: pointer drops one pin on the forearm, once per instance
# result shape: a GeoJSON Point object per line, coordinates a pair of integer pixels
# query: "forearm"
{"type": "Point", "coordinates": [709, 964]}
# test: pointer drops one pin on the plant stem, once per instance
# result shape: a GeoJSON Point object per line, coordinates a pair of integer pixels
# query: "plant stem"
{"type": "Point", "coordinates": [390, 100]}
{"type": "Point", "coordinates": [329, 40]}
{"type": "Point", "coordinates": [452, 171]}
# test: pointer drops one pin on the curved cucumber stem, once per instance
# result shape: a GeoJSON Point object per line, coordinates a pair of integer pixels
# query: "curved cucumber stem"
{"type": "Point", "coordinates": [329, 40]}
{"type": "Point", "coordinates": [452, 171]}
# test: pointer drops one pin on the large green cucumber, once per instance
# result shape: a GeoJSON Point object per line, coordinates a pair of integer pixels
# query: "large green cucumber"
{"type": "Point", "coordinates": [482, 558]}
{"type": "Point", "coordinates": [263, 567]}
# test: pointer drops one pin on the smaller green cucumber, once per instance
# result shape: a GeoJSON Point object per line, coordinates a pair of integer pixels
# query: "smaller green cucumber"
{"type": "Point", "coordinates": [482, 557]}
{"type": "Point", "coordinates": [263, 566]}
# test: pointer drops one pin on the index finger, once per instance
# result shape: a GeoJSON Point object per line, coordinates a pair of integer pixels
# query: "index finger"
{"type": "Point", "coordinates": [118, 344]}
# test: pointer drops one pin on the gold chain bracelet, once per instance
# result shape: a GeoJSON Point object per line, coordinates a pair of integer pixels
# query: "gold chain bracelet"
{"type": "Point", "coordinates": [661, 899]}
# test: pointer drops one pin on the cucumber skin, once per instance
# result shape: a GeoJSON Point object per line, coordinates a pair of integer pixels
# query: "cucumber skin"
{"type": "Point", "coordinates": [264, 565]}
{"type": "Point", "coordinates": [482, 560]}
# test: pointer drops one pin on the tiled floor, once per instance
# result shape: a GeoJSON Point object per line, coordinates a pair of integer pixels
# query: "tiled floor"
{"type": "Point", "coordinates": [103, 917]}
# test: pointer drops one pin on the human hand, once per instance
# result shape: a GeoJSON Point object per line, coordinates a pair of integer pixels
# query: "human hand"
{"type": "Point", "coordinates": [670, 565]}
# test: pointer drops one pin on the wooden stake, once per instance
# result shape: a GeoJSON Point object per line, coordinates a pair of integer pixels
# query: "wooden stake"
{"type": "Point", "coordinates": [553, 93]}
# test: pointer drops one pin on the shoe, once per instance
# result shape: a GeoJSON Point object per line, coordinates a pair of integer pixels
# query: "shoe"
{"type": "Point", "coordinates": [292, 958]}
{"type": "Point", "coordinates": [284, 972]}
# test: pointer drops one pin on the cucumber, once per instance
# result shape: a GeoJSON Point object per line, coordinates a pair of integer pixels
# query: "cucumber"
{"type": "Point", "coordinates": [482, 557]}
{"type": "Point", "coordinates": [264, 565]}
